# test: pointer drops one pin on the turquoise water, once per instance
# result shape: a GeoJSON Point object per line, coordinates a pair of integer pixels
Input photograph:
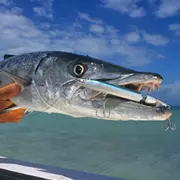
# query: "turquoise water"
{"type": "Point", "coordinates": [130, 150]}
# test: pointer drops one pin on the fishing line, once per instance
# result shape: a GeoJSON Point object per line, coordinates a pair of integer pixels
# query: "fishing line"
{"type": "Point", "coordinates": [93, 98]}
{"type": "Point", "coordinates": [49, 105]}
{"type": "Point", "coordinates": [45, 102]}
{"type": "Point", "coordinates": [170, 125]}
{"type": "Point", "coordinates": [104, 108]}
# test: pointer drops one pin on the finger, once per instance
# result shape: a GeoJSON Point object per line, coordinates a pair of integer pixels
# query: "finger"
{"type": "Point", "coordinates": [9, 91]}
{"type": "Point", "coordinates": [5, 104]}
{"type": "Point", "coordinates": [12, 116]}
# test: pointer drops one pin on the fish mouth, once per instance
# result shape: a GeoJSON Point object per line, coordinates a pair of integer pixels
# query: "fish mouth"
{"type": "Point", "coordinates": [138, 82]}
{"type": "Point", "coordinates": [128, 87]}
{"type": "Point", "coordinates": [126, 101]}
{"type": "Point", "coordinates": [132, 84]}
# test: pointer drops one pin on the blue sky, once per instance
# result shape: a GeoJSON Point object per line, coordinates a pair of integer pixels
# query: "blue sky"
{"type": "Point", "coordinates": [139, 34]}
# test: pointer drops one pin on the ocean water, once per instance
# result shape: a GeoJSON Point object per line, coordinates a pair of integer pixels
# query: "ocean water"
{"type": "Point", "coordinates": [129, 150]}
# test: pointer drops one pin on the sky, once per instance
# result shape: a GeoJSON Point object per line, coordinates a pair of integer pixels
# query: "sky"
{"type": "Point", "coordinates": [140, 34]}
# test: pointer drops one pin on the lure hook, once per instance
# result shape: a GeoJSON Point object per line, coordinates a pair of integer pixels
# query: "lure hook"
{"type": "Point", "coordinates": [171, 126]}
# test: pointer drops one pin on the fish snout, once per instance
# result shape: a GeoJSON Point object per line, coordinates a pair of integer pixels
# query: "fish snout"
{"type": "Point", "coordinates": [156, 77]}
{"type": "Point", "coordinates": [167, 115]}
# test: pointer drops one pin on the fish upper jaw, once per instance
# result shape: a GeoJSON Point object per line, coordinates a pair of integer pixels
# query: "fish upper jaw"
{"type": "Point", "coordinates": [138, 81]}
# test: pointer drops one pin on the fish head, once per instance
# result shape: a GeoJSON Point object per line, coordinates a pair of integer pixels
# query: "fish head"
{"type": "Point", "coordinates": [87, 102]}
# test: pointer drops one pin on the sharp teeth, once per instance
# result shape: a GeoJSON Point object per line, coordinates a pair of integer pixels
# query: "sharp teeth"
{"type": "Point", "coordinates": [157, 86]}
{"type": "Point", "coordinates": [140, 87]}
{"type": "Point", "coordinates": [150, 89]}
{"type": "Point", "coordinates": [151, 86]}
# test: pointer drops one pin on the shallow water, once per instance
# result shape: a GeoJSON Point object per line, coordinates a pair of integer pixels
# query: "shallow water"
{"type": "Point", "coordinates": [130, 150]}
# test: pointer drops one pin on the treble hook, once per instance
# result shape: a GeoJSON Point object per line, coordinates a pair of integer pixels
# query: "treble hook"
{"type": "Point", "coordinates": [104, 112]}
{"type": "Point", "coordinates": [104, 108]}
{"type": "Point", "coordinates": [170, 126]}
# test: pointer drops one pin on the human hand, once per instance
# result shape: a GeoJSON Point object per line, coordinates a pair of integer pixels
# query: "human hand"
{"type": "Point", "coordinates": [6, 93]}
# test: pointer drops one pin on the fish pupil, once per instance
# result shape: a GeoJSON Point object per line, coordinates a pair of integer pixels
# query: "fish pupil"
{"type": "Point", "coordinates": [79, 69]}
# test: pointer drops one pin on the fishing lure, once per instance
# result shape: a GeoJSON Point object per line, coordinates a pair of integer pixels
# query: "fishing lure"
{"type": "Point", "coordinates": [120, 92]}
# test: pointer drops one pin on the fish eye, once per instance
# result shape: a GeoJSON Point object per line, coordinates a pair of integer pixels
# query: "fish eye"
{"type": "Point", "coordinates": [79, 70]}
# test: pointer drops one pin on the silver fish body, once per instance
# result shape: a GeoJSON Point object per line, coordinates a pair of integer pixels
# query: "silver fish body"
{"type": "Point", "coordinates": [53, 86]}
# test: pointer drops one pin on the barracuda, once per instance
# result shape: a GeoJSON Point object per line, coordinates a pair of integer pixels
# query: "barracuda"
{"type": "Point", "coordinates": [51, 82]}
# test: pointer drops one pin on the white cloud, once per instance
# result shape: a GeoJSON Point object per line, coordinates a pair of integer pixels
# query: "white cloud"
{"type": "Point", "coordinates": [44, 8]}
{"type": "Point", "coordinates": [112, 31]}
{"type": "Point", "coordinates": [6, 2]}
{"type": "Point", "coordinates": [177, 33]}
{"type": "Point", "coordinates": [155, 39]}
{"type": "Point", "coordinates": [129, 7]}
{"type": "Point", "coordinates": [84, 16]}
{"type": "Point", "coordinates": [41, 12]}
{"type": "Point", "coordinates": [133, 37]}
{"type": "Point", "coordinates": [168, 8]}
{"type": "Point", "coordinates": [19, 35]}
{"type": "Point", "coordinates": [151, 38]}
{"type": "Point", "coordinates": [96, 28]}
{"type": "Point", "coordinates": [45, 25]}
{"type": "Point", "coordinates": [175, 28]}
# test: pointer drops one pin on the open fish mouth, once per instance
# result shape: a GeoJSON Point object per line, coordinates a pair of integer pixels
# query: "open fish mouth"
{"type": "Point", "coordinates": [149, 85]}
{"type": "Point", "coordinates": [130, 89]}
{"type": "Point", "coordinates": [134, 84]}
